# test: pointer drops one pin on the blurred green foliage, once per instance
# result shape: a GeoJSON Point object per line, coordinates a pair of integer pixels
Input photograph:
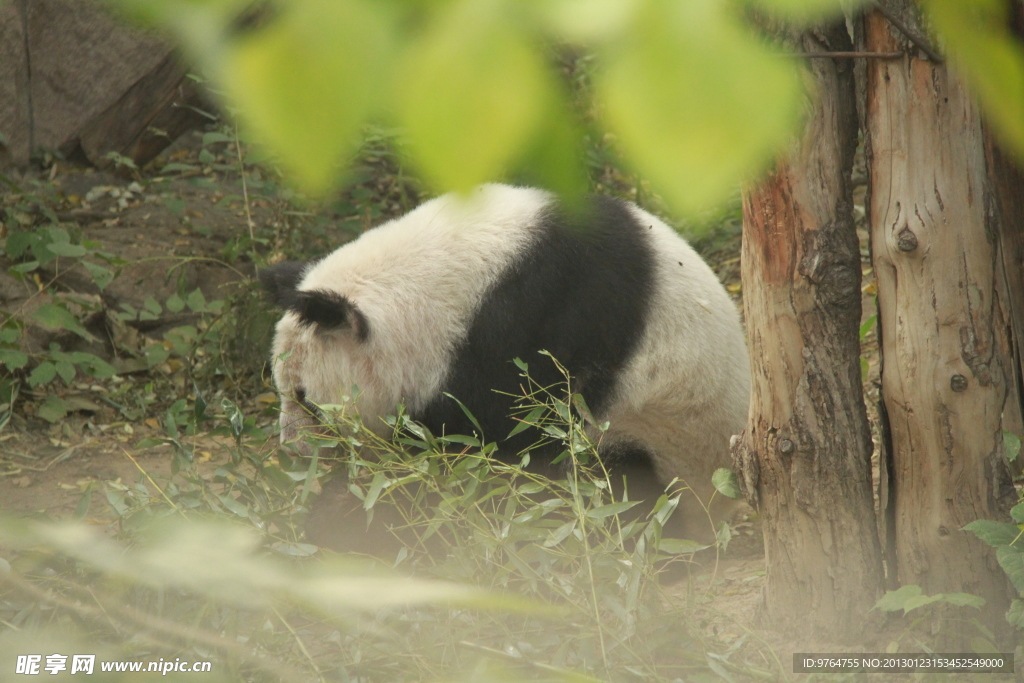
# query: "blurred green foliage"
{"type": "Point", "coordinates": [697, 100]}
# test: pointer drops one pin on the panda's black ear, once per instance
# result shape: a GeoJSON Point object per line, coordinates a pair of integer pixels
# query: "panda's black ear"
{"type": "Point", "coordinates": [330, 311]}
{"type": "Point", "coordinates": [281, 280]}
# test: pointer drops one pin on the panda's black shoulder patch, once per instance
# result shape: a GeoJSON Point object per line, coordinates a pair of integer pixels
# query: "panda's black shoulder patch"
{"type": "Point", "coordinates": [581, 291]}
{"type": "Point", "coordinates": [329, 311]}
{"type": "Point", "coordinates": [281, 281]}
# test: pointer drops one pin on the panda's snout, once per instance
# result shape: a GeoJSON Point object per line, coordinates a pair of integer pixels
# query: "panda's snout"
{"type": "Point", "coordinates": [300, 395]}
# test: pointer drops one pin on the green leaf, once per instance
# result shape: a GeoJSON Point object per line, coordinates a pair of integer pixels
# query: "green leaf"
{"type": "Point", "coordinates": [611, 509]}
{"type": "Point", "coordinates": [155, 354]}
{"type": "Point", "coordinates": [66, 371]}
{"type": "Point", "coordinates": [306, 82]}
{"type": "Point", "coordinates": [1017, 513]}
{"type": "Point", "coordinates": [100, 276]}
{"type": "Point", "coordinates": [994, 533]}
{"type": "Point", "coordinates": [214, 136]}
{"type": "Point", "coordinates": [151, 305]}
{"type": "Point", "coordinates": [560, 534]}
{"type": "Point", "coordinates": [376, 486]}
{"type": "Point", "coordinates": [18, 242]}
{"type": "Point", "coordinates": [679, 91]}
{"type": "Point", "coordinates": [964, 600]}
{"type": "Point", "coordinates": [585, 21]}
{"type": "Point", "coordinates": [1015, 615]}
{"type": "Point", "coordinates": [196, 301]}
{"type": "Point", "coordinates": [867, 326]}
{"type": "Point", "coordinates": [98, 368]}
{"type": "Point", "coordinates": [53, 409]}
{"type": "Point", "coordinates": [807, 10]}
{"type": "Point", "coordinates": [724, 480]}
{"type": "Point", "coordinates": [679, 546]}
{"type": "Point", "coordinates": [13, 359]}
{"type": "Point", "coordinates": [233, 505]}
{"type": "Point", "coordinates": [175, 303]}
{"type": "Point", "coordinates": [916, 601]}
{"type": "Point", "coordinates": [1011, 444]}
{"type": "Point", "coordinates": [460, 439]}
{"type": "Point", "coordinates": [58, 235]}
{"type": "Point", "coordinates": [1012, 561]}
{"type": "Point", "coordinates": [23, 268]}
{"type": "Point", "coordinates": [472, 93]}
{"type": "Point", "coordinates": [530, 420]}
{"type": "Point", "coordinates": [65, 249]}
{"type": "Point", "coordinates": [55, 316]}
{"type": "Point", "coordinates": [9, 335]}
{"type": "Point", "coordinates": [896, 600]}
{"type": "Point", "coordinates": [43, 373]}
{"type": "Point", "coordinates": [555, 159]}
{"type": "Point", "coordinates": [980, 43]}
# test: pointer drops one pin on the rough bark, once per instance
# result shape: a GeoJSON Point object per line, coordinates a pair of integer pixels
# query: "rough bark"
{"type": "Point", "coordinates": [804, 459]}
{"type": "Point", "coordinates": [1007, 216]}
{"type": "Point", "coordinates": [935, 259]}
{"type": "Point", "coordinates": [1007, 179]}
{"type": "Point", "coordinates": [66, 64]}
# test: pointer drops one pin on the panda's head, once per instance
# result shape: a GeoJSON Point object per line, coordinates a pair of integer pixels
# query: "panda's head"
{"type": "Point", "coordinates": [319, 347]}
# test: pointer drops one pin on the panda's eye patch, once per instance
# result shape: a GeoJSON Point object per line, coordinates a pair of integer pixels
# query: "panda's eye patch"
{"type": "Point", "coordinates": [329, 311]}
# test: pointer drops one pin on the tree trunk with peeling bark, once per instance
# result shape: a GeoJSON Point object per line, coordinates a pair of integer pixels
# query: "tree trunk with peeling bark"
{"type": "Point", "coordinates": [804, 460]}
{"type": "Point", "coordinates": [941, 334]}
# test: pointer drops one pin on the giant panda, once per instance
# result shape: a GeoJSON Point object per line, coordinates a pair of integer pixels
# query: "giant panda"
{"type": "Point", "coordinates": [440, 301]}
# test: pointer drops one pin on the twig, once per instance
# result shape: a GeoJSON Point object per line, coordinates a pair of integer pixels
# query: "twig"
{"type": "Point", "coordinates": [912, 35]}
{"type": "Point", "coordinates": [60, 457]}
{"type": "Point", "coordinates": [302, 646]}
{"type": "Point", "coordinates": [245, 187]}
{"type": "Point", "coordinates": [155, 485]}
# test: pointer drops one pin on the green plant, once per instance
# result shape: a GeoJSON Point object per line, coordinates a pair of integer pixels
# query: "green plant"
{"type": "Point", "coordinates": [1006, 538]}
{"type": "Point", "coordinates": [41, 255]}
{"type": "Point", "coordinates": [468, 517]}
{"type": "Point", "coordinates": [931, 612]}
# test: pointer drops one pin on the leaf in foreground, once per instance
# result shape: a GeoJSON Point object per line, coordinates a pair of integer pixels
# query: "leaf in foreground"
{"type": "Point", "coordinates": [224, 561]}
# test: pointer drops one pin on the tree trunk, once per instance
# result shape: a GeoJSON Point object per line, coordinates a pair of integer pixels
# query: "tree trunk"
{"type": "Point", "coordinates": [935, 258]}
{"type": "Point", "coordinates": [804, 459]}
{"type": "Point", "coordinates": [1007, 180]}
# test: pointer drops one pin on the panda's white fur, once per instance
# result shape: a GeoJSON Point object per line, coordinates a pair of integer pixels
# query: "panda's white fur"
{"type": "Point", "coordinates": [419, 281]}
